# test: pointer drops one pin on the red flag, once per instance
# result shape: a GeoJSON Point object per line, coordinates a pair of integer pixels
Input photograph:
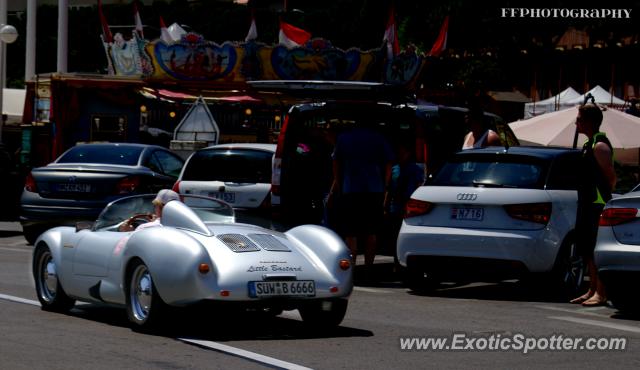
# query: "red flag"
{"type": "Point", "coordinates": [391, 35]}
{"type": "Point", "coordinates": [106, 32]}
{"type": "Point", "coordinates": [136, 16]}
{"type": "Point", "coordinates": [164, 32]}
{"type": "Point", "coordinates": [441, 42]}
{"type": "Point", "coordinates": [291, 36]}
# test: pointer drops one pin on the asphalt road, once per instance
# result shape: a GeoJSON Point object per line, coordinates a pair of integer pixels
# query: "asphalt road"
{"type": "Point", "coordinates": [379, 315]}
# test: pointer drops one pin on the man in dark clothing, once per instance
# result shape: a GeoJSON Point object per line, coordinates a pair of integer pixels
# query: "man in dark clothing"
{"type": "Point", "coordinates": [362, 170]}
{"type": "Point", "coordinates": [598, 179]}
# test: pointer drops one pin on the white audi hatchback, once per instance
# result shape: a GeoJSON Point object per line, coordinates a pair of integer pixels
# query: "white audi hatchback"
{"type": "Point", "coordinates": [239, 174]}
{"type": "Point", "coordinates": [495, 213]}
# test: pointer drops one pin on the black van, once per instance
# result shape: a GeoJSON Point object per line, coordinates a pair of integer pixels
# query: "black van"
{"type": "Point", "coordinates": [302, 166]}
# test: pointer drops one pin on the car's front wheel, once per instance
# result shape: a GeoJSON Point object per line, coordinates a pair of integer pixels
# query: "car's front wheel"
{"type": "Point", "coordinates": [324, 313]}
{"type": "Point", "coordinates": [48, 288]}
{"type": "Point", "coordinates": [145, 308]}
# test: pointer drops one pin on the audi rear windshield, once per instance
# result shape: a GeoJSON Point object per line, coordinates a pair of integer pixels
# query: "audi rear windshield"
{"type": "Point", "coordinates": [235, 165]}
{"type": "Point", "coordinates": [491, 171]}
{"type": "Point", "coordinates": [102, 154]}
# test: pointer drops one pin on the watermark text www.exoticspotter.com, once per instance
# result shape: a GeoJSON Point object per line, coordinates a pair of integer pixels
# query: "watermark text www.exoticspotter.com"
{"type": "Point", "coordinates": [565, 13]}
{"type": "Point", "coordinates": [514, 342]}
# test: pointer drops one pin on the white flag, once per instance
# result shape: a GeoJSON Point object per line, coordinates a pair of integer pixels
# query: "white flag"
{"type": "Point", "coordinates": [253, 31]}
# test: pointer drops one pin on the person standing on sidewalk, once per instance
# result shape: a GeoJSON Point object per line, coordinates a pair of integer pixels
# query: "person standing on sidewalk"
{"type": "Point", "coordinates": [598, 179]}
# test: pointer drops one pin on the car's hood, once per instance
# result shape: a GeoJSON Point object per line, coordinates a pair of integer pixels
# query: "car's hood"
{"type": "Point", "coordinates": [260, 252]}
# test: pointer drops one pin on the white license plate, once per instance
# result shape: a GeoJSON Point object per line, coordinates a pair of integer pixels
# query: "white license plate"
{"type": "Point", "coordinates": [290, 288]}
{"type": "Point", "coordinates": [223, 195]}
{"type": "Point", "coordinates": [75, 188]}
{"type": "Point", "coordinates": [467, 213]}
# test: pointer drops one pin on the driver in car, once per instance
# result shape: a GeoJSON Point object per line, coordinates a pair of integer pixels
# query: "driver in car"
{"type": "Point", "coordinates": [164, 196]}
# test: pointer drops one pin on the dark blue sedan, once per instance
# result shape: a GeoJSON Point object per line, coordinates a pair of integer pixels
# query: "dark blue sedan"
{"type": "Point", "coordinates": [84, 179]}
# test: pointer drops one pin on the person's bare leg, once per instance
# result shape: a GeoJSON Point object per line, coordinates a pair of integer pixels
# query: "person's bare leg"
{"type": "Point", "coordinates": [370, 250]}
{"type": "Point", "coordinates": [592, 282]}
{"type": "Point", "coordinates": [352, 243]}
{"type": "Point", "coordinates": [598, 297]}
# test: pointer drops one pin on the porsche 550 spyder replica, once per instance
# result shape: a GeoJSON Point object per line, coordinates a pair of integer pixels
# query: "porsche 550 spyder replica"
{"type": "Point", "coordinates": [199, 254]}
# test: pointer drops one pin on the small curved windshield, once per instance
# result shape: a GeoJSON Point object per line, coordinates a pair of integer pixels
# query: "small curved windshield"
{"type": "Point", "coordinates": [207, 209]}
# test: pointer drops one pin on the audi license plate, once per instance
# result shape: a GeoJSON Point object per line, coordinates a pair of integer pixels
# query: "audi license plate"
{"type": "Point", "coordinates": [467, 213]}
{"type": "Point", "coordinates": [223, 195]}
{"type": "Point", "coordinates": [74, 188]}
{"type": "Point", "coordinates": [290, 288]}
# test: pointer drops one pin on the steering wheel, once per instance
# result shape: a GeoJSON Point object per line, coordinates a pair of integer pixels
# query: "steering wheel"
{"type": "Point", "coordinates": [139, 219]}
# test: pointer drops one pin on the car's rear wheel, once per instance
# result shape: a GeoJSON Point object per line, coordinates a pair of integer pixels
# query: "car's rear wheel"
{"type": "Point", "coordinates": [419, 279]}
{"type": "Point", "coordinates": [50, 293]}
{"type": "Point", "coordinates": [324, 313]}
{"type": "Point", "coordinates": [568, 271]}
{"type": "Point", "coordinates": [621, 294]}
{"type": "Point", "coordinates": [145, 308]}
{"type": "Point", "coordinates": [626, 304]}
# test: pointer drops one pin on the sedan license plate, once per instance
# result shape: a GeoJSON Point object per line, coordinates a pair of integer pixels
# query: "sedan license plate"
{"type": "Point", "coordinates": [223, 195]}
{"type": "Point", "coordinates": [74, 188]}
{"type": "Point", "coordinates": [289, 288]}
{"type": "Point", "coordinates": [467, 213]}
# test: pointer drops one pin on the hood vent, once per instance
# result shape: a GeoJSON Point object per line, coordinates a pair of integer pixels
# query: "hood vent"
{"type": "Point", "coordinates": [238, 243]}
{"type": "Point", "coordinates": [269, 243]}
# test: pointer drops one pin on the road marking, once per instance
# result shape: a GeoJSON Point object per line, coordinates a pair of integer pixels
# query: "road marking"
{"type": "Point", "coordinates": [370, 290]}
{"type": "Point", "coordinates": [15, 249]}
{"type": "Point", "coordinates": [256, 357]}
{"type": "Point", "coordinates": [19, 300]}
{"type": "Point", "coordinates": [581, 311]}
{"type": "Point", "coordinates": [609, 325]}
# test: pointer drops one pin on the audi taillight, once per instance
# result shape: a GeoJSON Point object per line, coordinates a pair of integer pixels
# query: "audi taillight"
{"type": "Point", "coordinates": [533, 212]}
{"type": "Point", "coordinates": [128, 185]}
{"type": "Point", "coordinates": [176, 187]}
{"type": "Point", "coordinates": [617, 216]}
{"type": "Point", "coordinates": [415, 207]}
{"type": "Point", "coordinates": [30, 184]}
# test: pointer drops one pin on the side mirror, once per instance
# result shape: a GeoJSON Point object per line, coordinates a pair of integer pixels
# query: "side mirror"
{"type": "Point", "coordinates": [84, 225]}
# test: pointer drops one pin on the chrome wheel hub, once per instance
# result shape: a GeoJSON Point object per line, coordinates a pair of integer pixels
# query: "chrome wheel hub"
{"type": "Point", "coordinates": [141, 293]}
{"type": "Point", "coordinates": [48, 278]}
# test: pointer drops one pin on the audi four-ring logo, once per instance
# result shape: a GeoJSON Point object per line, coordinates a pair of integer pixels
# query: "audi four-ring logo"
{"type": "Point", "coordinates": [467, 196]}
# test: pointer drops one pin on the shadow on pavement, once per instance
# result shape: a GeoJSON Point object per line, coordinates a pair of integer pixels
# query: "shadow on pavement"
{"type": "Point", "coordinates": [626, 316]}
{"type": "Point", "coordinates": [221, 326]}
{"type": "Point", "coordinates": [511, 290]}
{"type": "Point", "coordinates": [9, 233]}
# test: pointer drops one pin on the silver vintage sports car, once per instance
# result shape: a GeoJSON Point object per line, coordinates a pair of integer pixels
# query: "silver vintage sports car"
{"type": "Point", "coordinates": [198, 255]}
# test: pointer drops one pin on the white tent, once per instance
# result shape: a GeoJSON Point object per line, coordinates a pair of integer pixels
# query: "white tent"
{"type": "Point", "coordinates": [550, 104]}
{"type": "Point", "coordinates": [601, 96]}
{"type": "Point", "coordinates": [558, 129]}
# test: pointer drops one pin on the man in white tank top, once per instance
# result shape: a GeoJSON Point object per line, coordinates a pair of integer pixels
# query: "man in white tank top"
{"type": "Point", "coordinates": [479, 135]}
